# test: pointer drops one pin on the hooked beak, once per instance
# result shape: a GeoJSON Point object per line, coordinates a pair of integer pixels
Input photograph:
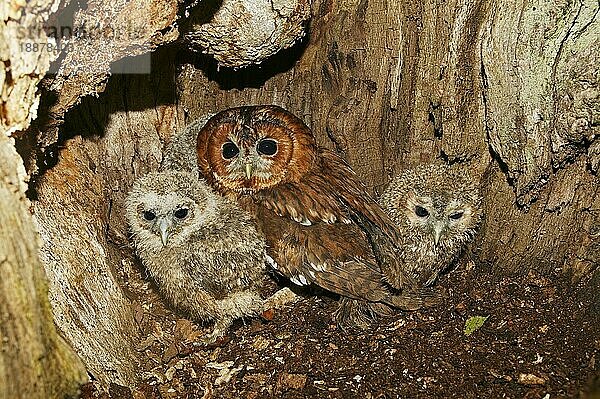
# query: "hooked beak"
{"type": "Point", "coordinates": [438, 229]}
{"type": "Point", "coordinates": [248, 171]}
{"type": "Point", "coordinates": [163, 227]}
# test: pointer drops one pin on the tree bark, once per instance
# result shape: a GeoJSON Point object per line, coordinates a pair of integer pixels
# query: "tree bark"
{"type": "Point", "coordinates": [509, 90]}
{"type": "Point", "coordinates": [393, 84]}
{"type": "Point", "coordinates": [246, 32]}
{"type": "Point", "coordinates": [80, 213]}
{"type": "Point", "coordinates": [34, 361]}
{"type": "Point", "coordinates": [21, 68]}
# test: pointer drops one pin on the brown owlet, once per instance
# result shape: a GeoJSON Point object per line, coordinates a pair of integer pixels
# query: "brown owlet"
{"type": "Point", "coordinates": [438, 210]}
{"type": "Point", "coordinates": [204, 252]}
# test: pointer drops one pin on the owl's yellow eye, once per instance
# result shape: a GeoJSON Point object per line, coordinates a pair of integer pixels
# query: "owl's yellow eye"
{"type": "Point", "coordinates": [267, 147]}
{"type": "Point", "coordinates": [229, 150]}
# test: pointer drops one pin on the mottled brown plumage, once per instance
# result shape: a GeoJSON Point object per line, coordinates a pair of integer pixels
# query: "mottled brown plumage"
{"type": "Point", "coordinates": [320, 223]}
{"type": "Point", "coordinates": [438, 210]}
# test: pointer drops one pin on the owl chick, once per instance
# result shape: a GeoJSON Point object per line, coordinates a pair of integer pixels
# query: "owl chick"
{"type": "Point", "coordinates": [321, 225]}
{"type": "Point", "coordinates": [204, 252]}
{"type": "Point", "coordinates": [180, 152]}
{"type": "Point", "coordinates": [438, 210]}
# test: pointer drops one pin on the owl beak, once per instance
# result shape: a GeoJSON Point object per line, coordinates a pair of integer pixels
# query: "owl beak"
{"type": "Point", "coordinates": [438, 229]}
{"type": "Point", "coordinates": [248, 171]}
{"type": "Point", "coordinates": [163, 227]}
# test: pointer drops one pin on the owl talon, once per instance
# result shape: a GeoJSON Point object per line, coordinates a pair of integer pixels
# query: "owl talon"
{"type": "Point", "coordinates": [215, 339]}
{"type": "Point", "coordinates": [281, 298]}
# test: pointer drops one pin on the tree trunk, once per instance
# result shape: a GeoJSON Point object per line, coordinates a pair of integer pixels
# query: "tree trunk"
{"type": "Point", "coordinates": [34, 361]}
{"type": "Point", "coordinates": [511, 89]}
{"type": "Point", "coordinates": [80, 213]}
{"type": "Point", "coordinates": [507, 89]}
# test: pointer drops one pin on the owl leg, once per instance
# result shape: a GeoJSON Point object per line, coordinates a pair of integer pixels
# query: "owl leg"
{"type": "Point", "coordinates": [220, 329]}
{"type": "Point", "coordinates": [235, 306]}
{"type": "Point", "coordinates": [284, 296]}
{"type": "Point", "coordinates": [354, 313]}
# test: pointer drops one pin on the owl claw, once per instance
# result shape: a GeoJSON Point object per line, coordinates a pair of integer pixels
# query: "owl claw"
{"type": "Point", "coordinates": [215, 339]}
{"type": "Point", "coordinates": [284, 296]}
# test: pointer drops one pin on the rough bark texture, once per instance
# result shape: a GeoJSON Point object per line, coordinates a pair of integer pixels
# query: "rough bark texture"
{"type": "Point", "coordinates": [34, 361]}
{"type": "Point", "coordinates": [106, 32]}
{"type": "Point", "coordinates": [507, 89]}
{"type": "Point", "coordinates": [542, 107]}
{"type": "Point", "coordinates": [239, 33]}
{"type": "Point", "coordinates": [246, 32]}
{"type": "Point", "coordinates": [511, 89]}
{"type": "Point", "coordinates": [76, 202]}
{"type": "Point", "coordinates": [21, 68]}
{"type": "Point", "coordinates": [549, 98]}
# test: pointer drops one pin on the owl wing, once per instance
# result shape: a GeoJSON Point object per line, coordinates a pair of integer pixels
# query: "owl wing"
{"type": "Point", "coordinates": [353, 193]}
{"type": "Point", "coordinates": [330, 193]}
{"type": "Point", "coordinates": [335, 257]}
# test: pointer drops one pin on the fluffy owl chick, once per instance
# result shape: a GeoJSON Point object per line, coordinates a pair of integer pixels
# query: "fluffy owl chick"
{"type": "Point", "coordinates": [180, 152]}
{"type": "Point", "coordinates": [438, 210]}
{"type": "Point", "coordinates": [204, 252]}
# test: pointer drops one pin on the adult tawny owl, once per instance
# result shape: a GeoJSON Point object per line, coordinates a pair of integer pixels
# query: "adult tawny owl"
{"type": "Point", "coordinates": [438, 209]}
{"type": "Point", "coordinates": [320, 224]}
{"type": "Point", "coordinates": [204, 252]}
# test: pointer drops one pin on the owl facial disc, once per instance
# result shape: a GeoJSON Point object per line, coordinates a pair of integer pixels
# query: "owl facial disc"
{"type": "Point", "coordinates": [247, 149]}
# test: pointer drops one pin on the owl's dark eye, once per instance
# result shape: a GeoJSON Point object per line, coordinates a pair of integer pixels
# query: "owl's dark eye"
{"type": "Point", "coordinates": [267, 147]}
{"type": "Point", "coordinates": [229, 150]}
{"type": "Point", "coordinates": [421, 212]}
{"type": "Point", "coordinates": [456, 215]}
{"type": "Point", "coordinates": [181, 213]}
{"type": "Point", "coordinates": [149, 215]}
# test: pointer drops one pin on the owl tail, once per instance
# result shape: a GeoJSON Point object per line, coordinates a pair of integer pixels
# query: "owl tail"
{"type": "Point", "coordinates": [417, 299]}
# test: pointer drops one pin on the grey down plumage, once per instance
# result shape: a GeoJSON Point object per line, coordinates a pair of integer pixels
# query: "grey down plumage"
{"type": "Point", "coordinates": [204, 252]}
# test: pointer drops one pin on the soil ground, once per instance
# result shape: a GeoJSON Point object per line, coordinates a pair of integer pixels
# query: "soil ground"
{"type": "Point", "coordinates": [541, 340]}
